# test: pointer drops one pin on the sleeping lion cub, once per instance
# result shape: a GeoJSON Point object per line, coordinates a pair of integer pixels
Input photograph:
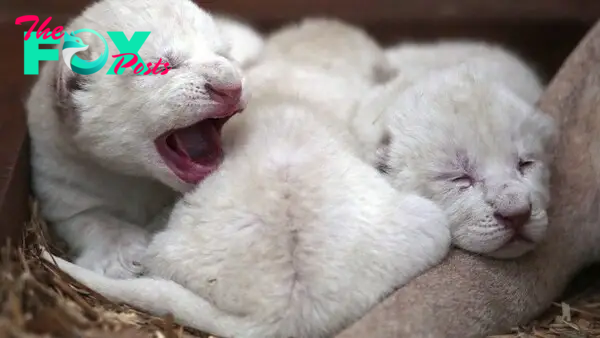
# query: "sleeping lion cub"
{"type": "Point", "coordinates": [471, 144]}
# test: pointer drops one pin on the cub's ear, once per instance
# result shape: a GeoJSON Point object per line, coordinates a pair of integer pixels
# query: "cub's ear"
{"type": "Point", "coordinates": [383, 71]}
{"type": "Point", "coordinates": [546, 127]}
{"type": "Point", "coordinates": [66, 84]}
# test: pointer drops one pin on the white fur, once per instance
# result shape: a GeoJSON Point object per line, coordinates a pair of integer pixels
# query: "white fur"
{"type": "Point", "coordinates": [246, 43]}
{"type": "Point", "coordinates": [302, 51]}
{"type": "Point", "coordinates": [332, 45]}
{"type": "Point", "coordinates": [458, 121]}
{"type": "Point", "coordinates": [413, 61]}
{"type": "Point", "coordinates": [293, 236]}
{"type": "Point", "coordinates": [96, 172]}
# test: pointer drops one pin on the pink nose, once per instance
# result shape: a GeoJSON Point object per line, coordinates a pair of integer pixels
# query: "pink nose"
{"type": "Point", "coordinates": [514, 219]}
{"type": "Point", "coordinates": [229, 94]}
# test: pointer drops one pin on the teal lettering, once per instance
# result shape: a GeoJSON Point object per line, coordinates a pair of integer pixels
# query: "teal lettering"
{"type": "Point", "coordinates": [33, 53]}
{"type": "Point", "coordinates": [127, 47]}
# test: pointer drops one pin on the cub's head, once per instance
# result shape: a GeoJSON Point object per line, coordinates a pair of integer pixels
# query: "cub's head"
{"type": "Point", "coordinates": [165, 126]}
{"type": "Point", "coordinates": [479, 151]}
{"type": "Point", "coordinates": [333, 45]}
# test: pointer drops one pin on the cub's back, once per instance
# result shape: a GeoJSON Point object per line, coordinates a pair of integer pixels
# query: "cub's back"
{"type": "Point", "coordinates": [291, 231]}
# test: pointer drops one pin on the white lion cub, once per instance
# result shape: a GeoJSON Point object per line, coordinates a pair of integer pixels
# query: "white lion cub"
{"type": "Point", "coordinates": [293, 235]}
{"type": "Point", "coordinates": [110, 151]}
{"type": "Point", "coordinates": [473, 145]}
{"type": "Point", "coordinates": [353, 61]}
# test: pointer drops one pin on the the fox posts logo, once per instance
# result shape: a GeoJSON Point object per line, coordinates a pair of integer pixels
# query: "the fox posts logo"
{"type": "Point", "coordinates": [73, 44]}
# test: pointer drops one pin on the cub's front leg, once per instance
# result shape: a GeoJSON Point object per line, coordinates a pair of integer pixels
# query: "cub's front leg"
{"type": "Point", "coordinates": [421, 236]}
{"type": "Point", "coordinates": [105, 244]}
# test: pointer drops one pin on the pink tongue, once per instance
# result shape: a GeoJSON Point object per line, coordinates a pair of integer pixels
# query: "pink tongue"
{"type": "Point", "coordinates": [199, 142]}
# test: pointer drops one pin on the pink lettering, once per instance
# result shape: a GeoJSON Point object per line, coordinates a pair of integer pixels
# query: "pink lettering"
{"type": "Point", "coordinates": [131, 62]}
{"type": "Point", "coordinates": [149, 70]}
{"type": "Point", "coordinates": [166, 70]}
{"type": "Point", "coordinates": [45, 32]}
{"type": "Point", "coordinates": [156, 70]}
{"type": "Point", "coordinates": [26, 18]}
{"type": "Point", "coordinates": [57, 33]}
{"type": "Point", "coordinates": [138, 69]}
{"type": "Point", "coordinates": [48, 33]}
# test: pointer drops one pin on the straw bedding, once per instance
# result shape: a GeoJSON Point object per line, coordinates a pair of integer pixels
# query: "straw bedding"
{"type": "Point", "coordinates": [37, 300]}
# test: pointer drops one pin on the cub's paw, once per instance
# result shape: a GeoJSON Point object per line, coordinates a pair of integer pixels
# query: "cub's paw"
{"type": "Point", "coordinates": [120, 259]}
{"type": "Point", "coordinates": [430, 225]}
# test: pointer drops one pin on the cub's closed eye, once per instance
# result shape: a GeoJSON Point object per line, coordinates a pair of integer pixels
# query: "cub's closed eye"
{"type": "Point", "coordinates": [225, 55]}
{"type": "Point", "coordinates": [167, 64]}
{"type": "Point", "coordinates": [463, 181]}
{"type": "Point", "coordinates": [525, 165]}
{"type": "Point", "coordinates": [224, 51]}
{"type": "Point", "coordinates": [174, 61]}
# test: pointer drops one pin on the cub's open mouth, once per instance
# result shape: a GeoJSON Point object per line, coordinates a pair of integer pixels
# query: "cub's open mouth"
{"type": "Point", "coordinates": [193, 152]}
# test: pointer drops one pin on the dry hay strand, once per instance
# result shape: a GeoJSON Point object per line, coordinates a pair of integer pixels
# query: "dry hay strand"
{"type": "Point", "coordinates": [579, 320]}
{"type": "Point", "coordinates": [38, 300]}
{"type": "Point", "coordinates": [575, 317]}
